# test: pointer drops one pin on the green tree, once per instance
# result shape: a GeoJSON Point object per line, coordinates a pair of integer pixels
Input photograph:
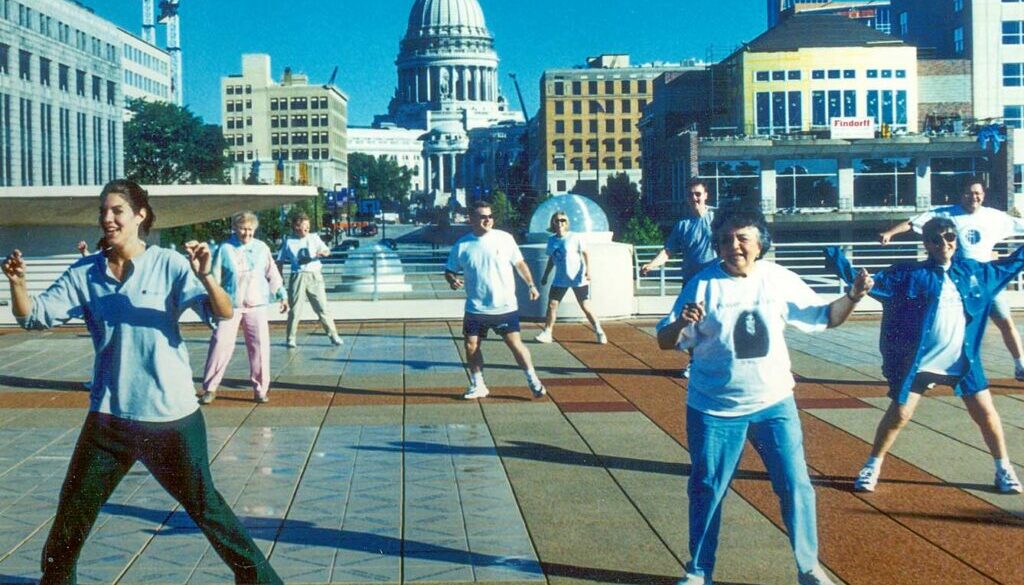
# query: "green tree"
{"type": "Point", "coordinates": [621, 199]}
{"type": "Point", "coordinates": [506, 214]}
{"type": "Point", "coordinates": [641, 230]}
{"type": "Point", "coordinates": [166, 144]}
{"type": "Point", "coordinates": [385, 179]}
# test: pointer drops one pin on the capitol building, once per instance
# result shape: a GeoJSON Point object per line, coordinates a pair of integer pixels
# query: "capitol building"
{"type": "Point", "coordinates": [447, 98]}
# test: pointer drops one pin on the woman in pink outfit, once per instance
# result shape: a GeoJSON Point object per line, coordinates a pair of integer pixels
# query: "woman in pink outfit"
{"type": "Point", "coordinates": [245, 269]}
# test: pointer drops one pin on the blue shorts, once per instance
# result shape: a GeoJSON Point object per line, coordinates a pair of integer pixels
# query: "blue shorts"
{"type": "Point", "coordinates": [477, 324]}
{"type": "Point", "coordinates": [557, 293]}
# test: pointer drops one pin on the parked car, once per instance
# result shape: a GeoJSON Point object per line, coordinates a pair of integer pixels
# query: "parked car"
{"type": "Point", "coordinates": [368, 230]}
{"type": "Point", "coordinates": [345, 246]}
{"type": "Point", "coordinates": [392, 244]}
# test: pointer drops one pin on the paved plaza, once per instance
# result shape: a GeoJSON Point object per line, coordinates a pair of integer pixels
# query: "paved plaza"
{"type": "Point", "coordinates": [367, 467]}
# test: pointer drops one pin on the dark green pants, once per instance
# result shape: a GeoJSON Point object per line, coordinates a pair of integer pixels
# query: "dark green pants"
{"type": "Point", "coordinates": [175, 453]}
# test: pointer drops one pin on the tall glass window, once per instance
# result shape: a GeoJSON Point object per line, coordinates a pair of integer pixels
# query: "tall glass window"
{"type": "Point", "coordinates": [884, 182]}
{"type": "Point", "coordinates": [807, 184]}
{"type": "Point", "coordinates": [949, 173]}
{"type": "Point", "coordinates": [731, 180]}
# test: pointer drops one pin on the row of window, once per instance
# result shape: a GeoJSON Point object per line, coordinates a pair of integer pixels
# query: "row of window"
{"type": "Point", "coordinates": [238, 123]}
{"type": "Point", "coordinates": [147, 60]}
{"type": "Point", "coordinates": [608, 87]}
{"type": "Point", "coordinates": [237, 89]}
{"type": "Point", "coordinates": [299, 103]}
{"type": "Point", "coordinates": [44, 73]}
{"type": "Point", "coordinates": [795, 74]}
{"type": "Point", "coordinates": [601, 107]}
{"type": "Point", "coordinates": [298, 154]}
{"type": "Point", "coordinates": [42, 151]}
{"type": "Point", "coordinates": [626, 125]}
{"type": "Point", "coordinates": [236, 105]}
{"type": "Point", "coordinates": [282, 138]}
{"type": "Point", "coordinates": [44, 25]}
{"type": "Point", "coordinates": [608, 144]}
{"type": "Point", "coordinates": [143, 83]}
{"type": "Point", "coordinates": [814, 183]}
{"type": "Point", "coordinates": [609, 163]}
{"type": "Point", "coordinates": [299, 121]}
{"type": "Point", "coordinates": [780, 112]}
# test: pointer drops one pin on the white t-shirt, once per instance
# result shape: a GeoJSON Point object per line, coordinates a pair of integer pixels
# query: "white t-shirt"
{"type": "Point", "coordinates": [740, 361]}
{"type": "Point", "coordinates": [945, 339]}
{"type": "Point", "coordinates": [977, 232]}
{"type": "Point", "coordinates": [567, 254]}
{"type": "Point", "coordinates": [295, 249]}
{"type": "Point", "coordinates": [487, 262]}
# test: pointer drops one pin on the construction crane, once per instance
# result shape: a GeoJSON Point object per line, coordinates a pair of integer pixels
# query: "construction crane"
{"type": "Point", "coordinates": [148, 24]}
{"type": "Point", "coordinates": [519, 92]}
{"type": "Point", "coordinates": [169, 18]}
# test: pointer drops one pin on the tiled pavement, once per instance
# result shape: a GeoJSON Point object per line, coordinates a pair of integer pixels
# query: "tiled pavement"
{"type": "Point", "coordinates": [366, 467]}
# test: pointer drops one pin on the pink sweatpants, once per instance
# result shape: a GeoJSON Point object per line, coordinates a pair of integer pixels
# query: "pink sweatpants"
{"type": "Point", "coordinates": [256, 329]}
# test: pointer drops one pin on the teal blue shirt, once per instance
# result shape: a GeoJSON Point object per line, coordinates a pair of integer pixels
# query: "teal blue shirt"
{"type": "Point", "coordinates": [141, 369]}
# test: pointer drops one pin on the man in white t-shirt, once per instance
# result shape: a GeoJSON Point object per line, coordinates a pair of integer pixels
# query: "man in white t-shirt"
{"type": "Point", "coordinates": [979, 229]}
{"type": "Point", "coordinates": [485, 258]}
{"type": "Point", "coordinates": [302, 251]}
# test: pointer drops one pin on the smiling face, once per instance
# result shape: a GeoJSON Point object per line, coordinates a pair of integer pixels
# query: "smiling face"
{"type": "Point", "coordinates": [698, 199]}
{"type": "Point", "coordinates": [559, 224]}
{"type": "Point", "coordinates": [301, 228]}
{"type": "Point", "coordinates": [941, 246]}
{"type": "Point", "coordinates": [481, 220]}
{"type": "Point", "coordinates": [739, 249]}
{"type": "Point", "coordinates": [119, 222]}
{"type": "Point", "coordinates": [246, 230]}
{"type": "Point", "coordinates": [973, 198]}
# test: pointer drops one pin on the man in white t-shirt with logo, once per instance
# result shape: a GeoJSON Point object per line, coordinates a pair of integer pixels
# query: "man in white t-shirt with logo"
{"type": "Point", "coordinates": [979, 229]}
{"type": "Point", "coordinates": [302, 251]}
{"type": "Point", "coordinates": [486, 258]}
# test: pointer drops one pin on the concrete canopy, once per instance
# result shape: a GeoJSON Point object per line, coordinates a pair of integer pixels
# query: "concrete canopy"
{"type": "Point", "coordinates": [174, 204]}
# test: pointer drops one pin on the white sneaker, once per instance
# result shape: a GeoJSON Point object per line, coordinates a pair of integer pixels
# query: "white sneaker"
{"type": "Point", "coordinates": [475, 391]}
{"type": "Point", "coordinates": [866, 481]}
{"type": "Point", "coordinates": [602, 337]}
{"type": "Point", "coordinates": [685, 373]}
{"type": "Point", "coordinates": [538, 389]}
{"type": "Point", "coordinates": [1007, 483]}
{"type": "Point", "coordinates": [1018, 373]}
{"type": "Point", "coordinates": [290, 344]}
{"type": "Point", "coordinates": [336, 340]}
{"type": "Point", "coordinates": [691, 579]}
{"type": "Point", "coordinates": [815, 576]}
{"type": "Point", "coordinates": [544, 337]}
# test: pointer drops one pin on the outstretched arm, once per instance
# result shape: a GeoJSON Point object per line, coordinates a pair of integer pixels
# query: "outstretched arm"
{"type": "Point", "coordinates": [840, 309]}
{"type": "Point", "coordinates": [14, 270]}
{"type": "Point", "coordinates": [200, 259]}
{"type": "Point", "coordinates": [889, 234]}
{"type": "Point", "coordinates": [662, 257]}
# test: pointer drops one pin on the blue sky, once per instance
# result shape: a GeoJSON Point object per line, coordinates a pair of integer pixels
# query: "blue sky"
{"type": "Point", "coordinates": [361, 37]}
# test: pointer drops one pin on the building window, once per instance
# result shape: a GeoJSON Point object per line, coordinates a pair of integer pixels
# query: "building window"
{"type": "Point", "coordinates": [559, 88]}
{"type": "Point", "coordinates": [818, 74]}
{"type": "Point", "coordinates": [577, 88]}
{"type": "Point", "coordinates": [888, 107]}
{"type": "Point", "coordinates": [577, 126]}
{"type": "Point", "coordinates": [778, 75]}
{"type": "Point", "coordinates": [559, 107]}
{"type": "Point", "coordinates": [577, 145]}
{"type": "Point", "coordinates": [609, 87]}
{"type": "Point", "coordinates": [299, 103]}
{"type": "Point", "coordinates": [609, 125]}
{"type": "Point", "coordinates": [872, 73]}
{"type": "Point", "coordinates": [1018, 178]}
{"type": "Point", "coordinates": [25, 65]}
{"type": "Point", "coordinates": [884, 182]}
{"type": "Point", "coordinates": [1012, 30]}
{"type": "Point", "coordinates": [833, 74]}
{"type": "Point", "coordinates": [958, 5]}
{"type": "Point", "coordinates": [904, 25]}
{"type": "Point", "coordinates": [733, 180]}
{"type": "Point", "coordinates": [958, 40]}
{"type": "Point", "coordinates": [593, 126]}
{"type": "Point", "coordinates": [849, 74]}
{"type": "Point", "coordinates": [793, 75]}
{"type": "Point", "coordinates": [626, 86]}
{"type": "Point", "coordinates": [44, 71]}
{"type": "Point", "coordinates": [592, 87]}
{"type": "Point", "coordinates": [948, 174]}
{"type": "Point", "coordinates": [761, 76]}
{"type": "Point", "coordinates": [559, 127]}
{"type": "Point", "coordinates": [95, 88]}
{"type": "Point", "coordinates": [627, 106]}
{"type": "Point", "coordinates": [577, 107]}
{"type": "Point", "coordinates": [80, 83]}
{"type": "Point", "coordinates": [807, 183]}
{"type": "Point", "coordinates": [111, 92]}
{"type": "Point", "coordinates": [5, 56]}
{"type": "Point", "coordinates": [1012, 74]}
{"type": "Point", "coordinates": [609, 106]}
{"type": "Point", "coordinates": [627, 125]}
{"type": "Point", "coordinates": [778, 112]}
{"type": "Point", "coordinates": [849, 103]}
{"type": "Point", "coordinates": [1013, 116]}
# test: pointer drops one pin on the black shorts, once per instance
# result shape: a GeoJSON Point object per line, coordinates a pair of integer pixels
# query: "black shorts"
{"type": "Point", "coordinates": [925, 381]}
{"type": "Point", "coordinates": [557, 293]}
{"type": "Point", "coordinates": [477, 324]}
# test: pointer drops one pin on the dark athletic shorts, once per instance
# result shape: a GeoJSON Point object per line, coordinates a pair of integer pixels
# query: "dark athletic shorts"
{"type": "Point", "coordinates": [557, 293]}
{"type": "Point", "coordinates": [925, 381]}
{"type": "Point", "coordinates": [476, 324]}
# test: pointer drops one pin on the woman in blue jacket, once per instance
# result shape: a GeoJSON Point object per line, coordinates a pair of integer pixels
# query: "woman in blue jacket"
{"type": "Point", "coordinates": [933, 320]}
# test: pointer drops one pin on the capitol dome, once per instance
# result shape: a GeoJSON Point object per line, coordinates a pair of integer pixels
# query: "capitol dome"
{"type": "Point", "coordinates": [446, 17]}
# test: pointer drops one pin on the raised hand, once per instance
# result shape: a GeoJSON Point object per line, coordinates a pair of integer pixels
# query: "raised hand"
{"type": "Point", "coordinates": [14, 267]}
{"type": "Point", "coordinates": [83, 248]}
{"type": "Point", "coordinates": [199, 256]}
{"type": "Point", "coordinates": [693, 313]}
{"type": "Point", "coordinates": [862, 285]}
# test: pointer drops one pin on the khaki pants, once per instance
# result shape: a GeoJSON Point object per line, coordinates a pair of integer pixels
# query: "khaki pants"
{"type": "Point", "coordinates": [308, 285]}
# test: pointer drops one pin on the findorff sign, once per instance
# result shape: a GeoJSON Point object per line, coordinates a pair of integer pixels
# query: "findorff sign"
{"type": "Point", "coordinates": [853, 127]}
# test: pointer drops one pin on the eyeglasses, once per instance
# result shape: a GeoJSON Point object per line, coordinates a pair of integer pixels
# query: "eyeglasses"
{"type": "Point", "coordinates": [561, 220]}
{"type": "Point", "coordinates": [944, 236]}
{"type": "Point", "coordinates": [482, 217]}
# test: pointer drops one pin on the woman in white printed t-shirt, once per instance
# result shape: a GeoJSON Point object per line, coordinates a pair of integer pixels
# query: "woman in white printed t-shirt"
{"type": "Point", "coordinates": [568, 257]}
{"type": "Point", "coordinates": [733, 314]}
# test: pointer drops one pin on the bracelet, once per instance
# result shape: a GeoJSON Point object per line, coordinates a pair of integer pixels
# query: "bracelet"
{"type": "Point", "coordinates": [531, 285]}
{"type": "Point", "coordinates": [852, 298]}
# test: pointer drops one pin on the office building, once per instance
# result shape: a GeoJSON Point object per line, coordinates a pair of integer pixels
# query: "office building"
{"type": "Point", "coordinates": [873, 13]}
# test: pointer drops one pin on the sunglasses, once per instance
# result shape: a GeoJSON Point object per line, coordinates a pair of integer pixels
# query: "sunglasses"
{"type": "Point", "coordinates": [561, 220]}
{"type": "Point", "coordinates": [944, 236]}
{"type": "Point", "coordinates": [482, 217]}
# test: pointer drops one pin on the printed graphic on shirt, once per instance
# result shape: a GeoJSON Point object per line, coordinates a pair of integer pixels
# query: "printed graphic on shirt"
{"type": "Point", "coordinates": [750, 336]}
{"type": "Point", "coordinates": [972, 236]}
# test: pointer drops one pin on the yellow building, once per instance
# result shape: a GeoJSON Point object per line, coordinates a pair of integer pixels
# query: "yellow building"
{"type": "Point", "coordinates": [811, 69]}
{"type": "Point", "coordinates": [588, 122]}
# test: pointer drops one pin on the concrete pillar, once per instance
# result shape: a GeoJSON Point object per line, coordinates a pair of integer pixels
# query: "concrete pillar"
{"type": "Point", "coordinates": [845, 185]}
{"type": "Point", "coordinates": [923, 176]}
{"type": "Point", "coordinates": [768, 192]}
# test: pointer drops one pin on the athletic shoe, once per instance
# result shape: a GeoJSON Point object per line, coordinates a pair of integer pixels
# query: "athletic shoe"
{"type": "Point", "coordinates": [207, 397]}
{"type": "Point", "coordinates": [290, 344]}
{"type": "Point", "coordinates": [260, 398]}
{"type": "Point", "coordinates": [815, 576]}
{"type": "Point", "coordinates": [1018, 373]}
{"type": "Point", "coordinates": [476, 391]}
{"type": "Point", "coordinates": [866, 480]}
{"type": "Point", "coordinates": [336, 340]}
{"type": "Point", "coordinates": [1007, 483]}
{"type": "Point", "coordinates": [691, 579]}
{"type": "Point", "coordinates": [544, 337]}
{"type": "Point", "coordinates": [685, 373]}
{"type": "Point", "coordinates": [538, 389]}
{"type": "Point", "coordinates": [602, 337]}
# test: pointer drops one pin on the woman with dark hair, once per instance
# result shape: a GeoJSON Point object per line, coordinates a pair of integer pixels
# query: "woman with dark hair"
{"type": "Point", "coordinates": [733, 314]}
{"type": "Point", "coordinates": [933, 321]}
{"type": "Point", "coordinates": [568, 257]}
{"type": "Point", "coordinates": [142, 402]}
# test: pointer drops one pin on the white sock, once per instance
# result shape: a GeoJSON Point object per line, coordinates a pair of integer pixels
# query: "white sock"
{"type": "Point", "coordinates": [597, 327]}
{"type": "Point", "coordinates": [476, 378]}
{"type": "Point", "coordinates": [874, 462]}
{"type": "Point", "coordinates": [531, 376]}
{"type": "Point", "coordinates": [1003, 464]}
{"type": "Point", "coordinates": [1018, 363]}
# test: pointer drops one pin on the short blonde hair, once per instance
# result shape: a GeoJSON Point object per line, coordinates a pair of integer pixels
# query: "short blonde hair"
{"type": "Point", "coordinates": [556, 215]}
{"type": "Point", "coordinates": [243, 217]}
